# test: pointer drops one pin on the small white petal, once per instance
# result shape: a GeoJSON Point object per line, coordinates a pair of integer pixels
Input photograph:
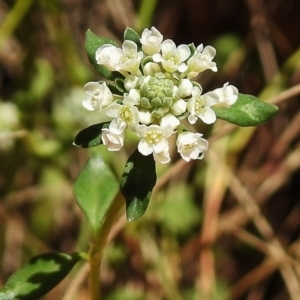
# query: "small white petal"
{"type": "Point", "coordinates": [169, 120]}
{"type": "Point", "coordinates": [163, 156]}
{"type": "Point", "coordinates": [144, 148]}
{"type": "Point", "coordinates": [179, 107]}
{"type": "Point", "coordinates": [159, 147]}
{"type": "Point", "coordinates": [117, 126]}
{"type": "Point", "coordinates": [184, 88]}
{"type": "Point", "coordinates": [145, 117]}
{"type": "Point", "coordinates": [209, 116]}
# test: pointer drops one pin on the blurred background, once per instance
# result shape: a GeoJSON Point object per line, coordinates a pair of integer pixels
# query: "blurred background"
{"type": "Point", "coordinates": [226, 227]}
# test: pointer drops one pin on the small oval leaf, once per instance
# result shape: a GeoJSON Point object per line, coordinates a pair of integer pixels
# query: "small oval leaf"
{"type": "Point", "coordinates": [90, 136]}
{"type": "Point", "coordinates": [39, 276]}
{"type": "Point", "coordinates": [131, 35]}
{"type": "Point", "coordinates": [247, 111]}
{"type": "Point", "coordinates": [95, 189]}
{"type": "Point", "coordinates": [137, 182]}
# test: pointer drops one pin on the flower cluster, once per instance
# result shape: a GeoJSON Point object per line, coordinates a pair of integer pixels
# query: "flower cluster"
{"type": "Point", "coordinates": [157, 94]}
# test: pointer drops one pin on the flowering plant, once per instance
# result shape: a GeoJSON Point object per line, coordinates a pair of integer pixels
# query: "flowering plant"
{"type": "Point", "coordinates": [150, 89]}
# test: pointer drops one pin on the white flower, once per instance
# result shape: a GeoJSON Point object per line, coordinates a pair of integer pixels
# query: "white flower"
{"type": "Point", "coordinates": [163, 157]}
{"type": "Point", "coordinates": [114, 142]}
{"type": "Point", "coordinates": [130, 60]}
{"type": "Point", "coordinates": [228, 94]}
{"type": "Point", "coordinates": [201, 61]}
{"type": "Point", "coordinates": [172, 58]}
{"type": "Point", "coordinates": [153, 138]}
{"type": "Point", "coordinates": [199, 106]}
{"type": "Point", "coordinates": [151, 40]}
{"type": "Point", "coordinates": [116, 59]}
{"type": "Point", "coordinates": [99, 96]}
{"type": "Point", "coordinates": [191, 146]}
{"type": "Point", "coordinates": [169, 120]}
{"type": "Point", "coordinates": [123, 116]}
{"type": "Point", "coordinates": [109, 56]}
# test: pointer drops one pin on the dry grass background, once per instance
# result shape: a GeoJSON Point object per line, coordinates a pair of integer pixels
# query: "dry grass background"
{"type": "Point", "coordinates": [238, 236]}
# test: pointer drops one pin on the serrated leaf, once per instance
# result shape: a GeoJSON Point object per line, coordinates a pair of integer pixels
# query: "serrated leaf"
{"type": "Point", "coordinates": [95, 189]}
{"type": "Point", "coordinates": [247, 111]}
{"type": "Point", "coordinates": [131, 35]}
{"type": "Point", "coordinates": [137, 182]}
{"type": "Point", "coordinates": [39, 276]}
{"type": "Point", "coordinates": [90, 136]}
{"type": "Point", "coordinates": [92, 43]}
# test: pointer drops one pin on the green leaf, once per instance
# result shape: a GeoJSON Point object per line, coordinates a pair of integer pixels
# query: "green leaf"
{"type": "Point", "coordinates": [95, 189]}
{"type": "Point", "coordinates": [92, 43]}
{"type": "Point", "coordinates": [90, 136]}
{"type": "Point", "coordinates": [39, 276]}
{"type": "Point", "coordinates": [137, 182]}
{"type": "Point", "coordinates": [132, 35]}
{"type": "Point", "coordinates": [247, 111]}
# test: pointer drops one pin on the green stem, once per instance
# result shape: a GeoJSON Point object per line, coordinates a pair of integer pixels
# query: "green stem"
{"type": "Point", "coordinates": [145, 14]}
{"type": "Point", "coordinates": [13, 19]}
{"type": "Point", "coordinates": [96, 251]}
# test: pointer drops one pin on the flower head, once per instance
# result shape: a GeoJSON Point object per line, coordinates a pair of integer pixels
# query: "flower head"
{"type": "Point", "coordinates": [191, 145]}
{"type": "Point", "coordinates": [153, 93]}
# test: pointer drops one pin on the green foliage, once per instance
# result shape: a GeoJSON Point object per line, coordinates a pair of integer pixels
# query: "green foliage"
{"type": "Point", "coordinates": [132, 35]}
{"type": "Point", "coordinates": [39, 276]}
{"type": "Point", "coordinates": [177, 210]}
{"type": "Point", "coordinates": [95, 189]}
{"type": "Point", "coordinates": [247, 111]}
{"type": "Point", "coordinates": [137, 182]}
{"type": "Point", "coordinates": [90, 136]}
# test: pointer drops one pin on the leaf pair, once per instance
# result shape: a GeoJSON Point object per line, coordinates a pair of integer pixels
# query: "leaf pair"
{"type": "Point", "coordinates": [96, 187]}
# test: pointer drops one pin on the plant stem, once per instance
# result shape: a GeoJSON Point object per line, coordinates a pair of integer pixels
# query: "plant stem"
{"type": "Point", "coordinates": [96, 251]}
{"type": "Point", "coordinates": [145, 14]}
{"type": "Point", "coordinates": [13, 19]}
